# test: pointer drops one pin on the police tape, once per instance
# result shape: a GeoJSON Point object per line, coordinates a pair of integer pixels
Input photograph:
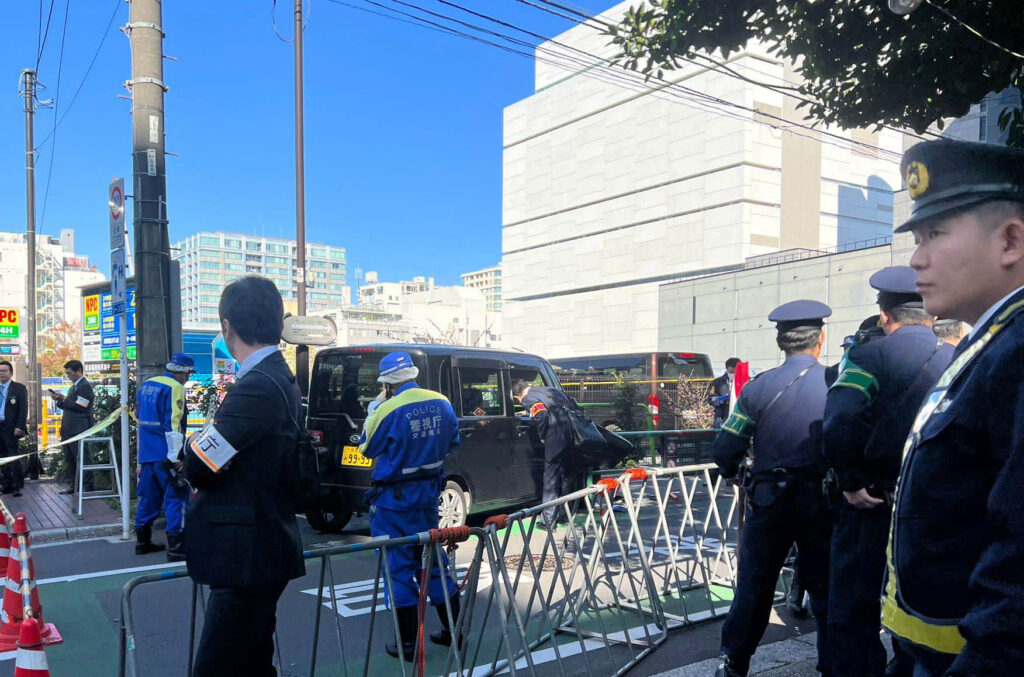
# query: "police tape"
{"type": "Point", "coordinates": [102, 425]}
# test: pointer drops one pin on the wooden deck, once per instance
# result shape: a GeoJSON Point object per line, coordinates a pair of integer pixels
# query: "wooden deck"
{"type": "Point", "coordinates": [47, 509]}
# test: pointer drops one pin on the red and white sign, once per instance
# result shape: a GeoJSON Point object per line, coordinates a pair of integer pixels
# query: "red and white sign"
{"type": "Point", "coordinates": [115, 200]}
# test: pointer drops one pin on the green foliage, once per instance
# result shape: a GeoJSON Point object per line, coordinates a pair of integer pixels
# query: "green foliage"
{"type": "Point", "coordinates": [861, 64]}
{"type": "Point", "coordinates": [624, 405]}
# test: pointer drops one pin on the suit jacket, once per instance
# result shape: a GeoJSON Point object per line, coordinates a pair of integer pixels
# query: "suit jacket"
{"type": "Point", "coordinates": [241, 529]}
{"type": "Point", "coordinates": [76, 407]}
{"type": "Point", "coordinates": [15, 408]}
{"type": "Point", "coordinates": [719, 387]}
{"type": "Point", "coordinates": [548, 407]}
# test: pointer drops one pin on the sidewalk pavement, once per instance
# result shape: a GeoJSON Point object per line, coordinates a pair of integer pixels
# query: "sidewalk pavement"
{"type": "Point", "coordinates": [51, 515]}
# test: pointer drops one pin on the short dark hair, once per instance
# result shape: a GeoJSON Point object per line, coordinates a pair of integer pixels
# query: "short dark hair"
{"type": "Point", "coordinates": [732, 362]}
{"type": "Point", "coordinates": [9, 365]}
{"type": "Point", "coordinates": [253, 306]}
{"type": "Point", "coordinates": [74, 365]}
{"type": "Point", "coordinates": [797, 340]}
{"type": "Point", "coordinates": [904, 315]}
{"type": "Point", "coordinates": [518, 387]}
{"type": "Point", "coordinates": [943, 330]}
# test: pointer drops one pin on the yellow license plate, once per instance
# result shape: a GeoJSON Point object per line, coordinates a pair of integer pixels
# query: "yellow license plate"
{"type": "Point", "coordinates": [351, 456]}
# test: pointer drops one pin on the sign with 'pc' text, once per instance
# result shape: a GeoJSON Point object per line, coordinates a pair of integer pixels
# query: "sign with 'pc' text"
{"type": "Point", "coordinates": [9, 318]}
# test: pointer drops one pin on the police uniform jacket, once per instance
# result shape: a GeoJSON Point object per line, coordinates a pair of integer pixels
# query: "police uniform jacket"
{"type": "Point", "coordinates": [161, 409]}
{"type": "Point", "coordinates": [76, 409]}
{"type": "Point", "coordinates": [786, 433]}
{"type": "Point", "coordinates": [241, 529]}
{"type": "Point", "coordinates": [872, 404]}
{"type": "Point", "coordinates": [409, 435]}
{"type": "Point", "coordinates": [549, 409]}
{"type": "Point", "coordinates": [955, 580]}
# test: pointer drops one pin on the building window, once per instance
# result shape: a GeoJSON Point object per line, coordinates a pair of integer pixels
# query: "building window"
{"type": "Point", "coordinates": [232, 243]}
{"type": "Point", "coordinates": [277, 248]}
{"type": "Point", "coordinates": [337, 266]}
{"type": "Point", "coordinates": [319, 252]}
{"type": "Point", "coordinates": [234, 266]}
{"type": "Point", "coordinates": [210, 265]}
{"type": "Point", "coordinates": [253, 246]}
{"type": "Point", "coordinates": [983, 121]}
{"type": "Point", "coordinates": [209, 241]}
{"type": "Point", "coordinates": [233, 256]}
{"type": "Point", "coordinates": [338, 254]}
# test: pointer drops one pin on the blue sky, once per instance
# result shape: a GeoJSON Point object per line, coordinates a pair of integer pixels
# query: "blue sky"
{"type": "Point", "coordinates": [403, 127]}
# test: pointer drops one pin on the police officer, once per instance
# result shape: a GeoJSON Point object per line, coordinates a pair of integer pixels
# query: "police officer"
{"type": "Point", "coordinates": [548, 407]}
{"type": "Point", "coordinates": [163, 419]}
{"type": "Point", "coordinates": [954, 589]}
{"type": "Point", "coordinates": [867, 417]}
{"type": "Point", "coordinates": [781, 412]}
{"type": "Point", "coordinates": [950, 331]}
{"type": "Point", "coordinates": [409, 434]}
{"type": "Point", "coordinates": [869, 329]}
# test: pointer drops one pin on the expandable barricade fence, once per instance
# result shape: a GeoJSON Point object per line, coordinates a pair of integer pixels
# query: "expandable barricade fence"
{"type": "Point", "coordinates": [638, 555]}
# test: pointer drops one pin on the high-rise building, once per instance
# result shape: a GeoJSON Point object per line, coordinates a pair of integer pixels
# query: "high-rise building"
{"type": "Point", "coordinates": [211, 260]}
{"type": "Point", "coordinates": [59, 274]}
{"type": "Point", "coordinates": [387, 296]}
{"type": "Point", "coordinates": [981, 123]}
{"type": "Point", "coordinates": [610, 189]}
{"type": "Point", "coordinates": [488, 281]}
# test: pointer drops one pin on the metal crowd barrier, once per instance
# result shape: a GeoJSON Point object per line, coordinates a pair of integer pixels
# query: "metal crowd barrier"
{"type": "Point", "coordinates": [637, 555]}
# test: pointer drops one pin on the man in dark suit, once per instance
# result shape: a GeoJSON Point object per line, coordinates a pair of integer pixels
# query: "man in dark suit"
{"type": "Point", "coordinates": [13, 413]}
{"type": "Point", "coordinates": [242, 539]}
{"type": "Point", "coordinates": [721, 392]}
{"type": "Point", "coordinates": [76, 418]}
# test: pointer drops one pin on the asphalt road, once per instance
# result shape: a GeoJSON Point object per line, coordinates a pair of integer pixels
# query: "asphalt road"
{"type": "Point", "coordinates": [80, 586]}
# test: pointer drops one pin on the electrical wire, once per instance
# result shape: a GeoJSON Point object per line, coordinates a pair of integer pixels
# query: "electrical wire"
{"type": "Point", "coordinates": [78, 89]}
{"type": "Point", "coordinates": [56, 108]}
{"type": "Point", "coordinates": [974, 31]}
{"type": "Point", "coordinates": [41, 42]}
{"type": "Point", "coordinates": [305, 20]}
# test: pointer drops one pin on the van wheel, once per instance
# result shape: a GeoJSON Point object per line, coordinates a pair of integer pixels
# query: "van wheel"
{"type": "Point", "coordinates": [328, 519]}
{"type": "Point", "coordinates": [452, 506]}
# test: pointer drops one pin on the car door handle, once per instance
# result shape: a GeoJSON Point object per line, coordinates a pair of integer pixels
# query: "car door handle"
{"type": "Point", "coordinates": [522, 430]}
{"type": "Point", "coordinates": [466, 432]}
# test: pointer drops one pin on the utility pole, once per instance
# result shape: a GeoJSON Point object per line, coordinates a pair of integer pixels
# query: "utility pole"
{"type": "Point", "coordinates": [152, 243]}
{"type": "Point", "coordinates": [28, 90]}
{"type": "Point", "coordinates": [301, 352]}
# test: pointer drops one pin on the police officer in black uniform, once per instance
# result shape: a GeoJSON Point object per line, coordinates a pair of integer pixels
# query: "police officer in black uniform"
{"type": "Point", "coordinates": [954, 590]}
{"type": "Point", "coordinates": [781, 412]}
{"type": "Point", "coordinates": [868, 414]}
{"type": "Point", "coordinates": [869, 329]}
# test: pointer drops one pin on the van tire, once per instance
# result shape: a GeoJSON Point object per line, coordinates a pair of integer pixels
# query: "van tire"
{"type": "Point", "coordinates": [452, 506]}
{"type": "Point", "coordinates": [327, 520]}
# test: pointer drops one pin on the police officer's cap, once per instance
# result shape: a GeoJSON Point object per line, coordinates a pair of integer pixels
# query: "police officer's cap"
{"type": "Point", "coordinates": [872, 322]}
{"type": "Point", "coordinates": [897, 287]}
{"type": "Point", "coordinates": [946, 175]}
{"type": "Point", "coordinates": [848, 341]}
{"type": "Point", "coordinates": [181, 362]}
{"type": "Point", "coordinates": [797, 315]}
{"type": "Point", "coordinates": [396, 367]}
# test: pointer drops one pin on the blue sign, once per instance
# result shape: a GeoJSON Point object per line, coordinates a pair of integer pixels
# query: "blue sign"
{"type": "Point", "coordinates": [110, 323]}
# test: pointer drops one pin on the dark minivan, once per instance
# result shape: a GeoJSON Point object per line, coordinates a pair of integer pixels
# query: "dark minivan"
{"type": "Point", "coordinates": [499, 463]}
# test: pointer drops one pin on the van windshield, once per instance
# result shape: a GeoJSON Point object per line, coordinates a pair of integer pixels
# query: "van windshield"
{"type": "Point", "coordinates": [685, 365]}
{"type": "Point", "coordinates": [346, 382]}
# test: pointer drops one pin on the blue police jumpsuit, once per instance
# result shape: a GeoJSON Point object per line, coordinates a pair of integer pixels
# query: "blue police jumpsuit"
{"type": "Point", "coordinates": [409, 435]}
{"type": "Point", "coordinates": [160, 409]}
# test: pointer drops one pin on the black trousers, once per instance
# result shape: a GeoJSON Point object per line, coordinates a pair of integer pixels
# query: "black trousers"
{"type": "Point", "coordinates": [859, 540]}
{"type": "Point", "coordinates": [799, 514]}
{"type": "Point", "coordinates": [71, 461]}
{"type": "Point", "coordinates": [560, 478]}
{"type": "Point", "coordinates": [12, 475]}
{"type": "Point", "coordinates": [916, 661]}
{"type": "Point", "coordinates": [238, 633]}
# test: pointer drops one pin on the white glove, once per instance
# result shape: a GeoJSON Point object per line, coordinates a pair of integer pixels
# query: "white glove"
{"type": "Point", "coordinates": [175, 442]}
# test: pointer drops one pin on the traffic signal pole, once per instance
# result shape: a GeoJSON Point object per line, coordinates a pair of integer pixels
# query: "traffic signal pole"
{"type": "Point", "coordinates": [301, 352]}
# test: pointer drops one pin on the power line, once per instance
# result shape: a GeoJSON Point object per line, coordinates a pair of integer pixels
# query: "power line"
{"type": "Point", "coordinates": [56, 107]}
{"type": "Point", "coordinates": [41, 42]}
{"type": "Point", "coordinates": [974, 31]}
{"type": "Point", "coordinates": [74, 97]}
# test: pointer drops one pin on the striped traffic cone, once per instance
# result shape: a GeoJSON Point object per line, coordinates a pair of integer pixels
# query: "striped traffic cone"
{"type": "Point", "coordinates": [31, 658]}
{"type": "Point", "coordinates": [5, 545]}
{"type": "Point", "coordinates": [21, 599]}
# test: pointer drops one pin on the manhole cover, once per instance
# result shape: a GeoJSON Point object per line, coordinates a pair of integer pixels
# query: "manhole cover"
{"type": "Point", "coordinates": [546, 563]}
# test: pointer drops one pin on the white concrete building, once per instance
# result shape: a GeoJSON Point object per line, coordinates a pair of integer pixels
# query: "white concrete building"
{"type": "Point", "coordinates": [488, 281]}
{"type": "Point", "coordinates": [610, 190]}
{"type": "Point", "coordinates": [387, 296]}
{"type": "Point", "coordinates": [452, 316]}
{"type": "Point", "coordinates": [59, 274]}
{"type": "Point", "coordinates": [358, 326]}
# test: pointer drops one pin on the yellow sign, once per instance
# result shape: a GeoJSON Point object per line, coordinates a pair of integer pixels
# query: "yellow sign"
{"type": "Point", "coordinates": [351, 456]}
{"type": "Point", "coordinates": [8, 323]}
{"type": "Point", "coordinates": [91, 312]}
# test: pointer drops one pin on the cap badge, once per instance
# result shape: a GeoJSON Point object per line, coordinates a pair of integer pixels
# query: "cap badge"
{"type": "Point", "coordinates": [917, 179]}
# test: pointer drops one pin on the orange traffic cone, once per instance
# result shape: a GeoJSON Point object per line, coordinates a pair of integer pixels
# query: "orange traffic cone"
{"type": "Point", "coordinates": [21, 598]}
{"type": "Point", "coordinates": [31, 658]}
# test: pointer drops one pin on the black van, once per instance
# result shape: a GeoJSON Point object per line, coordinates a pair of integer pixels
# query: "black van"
{"type": "Point", "coordinates": [499, 463]}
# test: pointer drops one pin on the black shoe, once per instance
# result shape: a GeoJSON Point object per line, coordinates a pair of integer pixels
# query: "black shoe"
{"type": "Point", "coordinates": [407, 627]}
{"type": "Point", "coordinates": [16, 493]}
{"type": "Point", "coordinates": [144, 544]}
{"type": "Point", "coordinates": [176, 547]}
{"type": "Point", "coordinates": [65, 492]}
{"type": "Point", "coordinates": [728, 669]}
{"type": "Point", "coordinates": [444, 636]}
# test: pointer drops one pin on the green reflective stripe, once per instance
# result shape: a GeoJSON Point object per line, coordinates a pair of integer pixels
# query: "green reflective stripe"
{"type": "Point", "coordinates": [853, 376]}
{"type": "Point", "coordinates": [410, 396]}
{"type": "Point", "coordinates": [738, 422]}
{"type": "Point", "coordinates": [177, 400]}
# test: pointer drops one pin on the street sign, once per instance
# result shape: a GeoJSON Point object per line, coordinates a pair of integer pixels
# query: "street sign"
{"type": "Point", "coordinates": [9, 323]}
{"type": "Point", "coordinates": [309, 331]}
{"type": "Point", "coordinates": [115, 199]}
{"type": "Point", "coordinates": [118, 281]}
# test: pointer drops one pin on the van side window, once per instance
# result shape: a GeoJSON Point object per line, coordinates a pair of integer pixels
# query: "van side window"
{"type": "Point", "coordinates": [444, 379]}
{"type": "Point", "coordinates": [533, 376]}
{"type": "Point", "coordinates": [480, 393]}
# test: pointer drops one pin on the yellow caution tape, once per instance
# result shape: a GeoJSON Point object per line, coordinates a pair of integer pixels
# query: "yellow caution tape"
{"type": "Point", "coordinates": [102, 425]}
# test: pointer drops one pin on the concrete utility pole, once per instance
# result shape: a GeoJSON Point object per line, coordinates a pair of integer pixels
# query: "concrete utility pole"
{"type": "Point", "coordinates": [153, 322]}
{"type": "Point", "coordinates": [28, 90]}
{"type": "Point", "coordinates": [301, 352]}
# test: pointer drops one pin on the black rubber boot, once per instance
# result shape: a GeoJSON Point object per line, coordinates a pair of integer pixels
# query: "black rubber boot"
{"type": "Point", "coordinates": [729, 668]}
{"type": "Point", "coordinates": [795, 599]}
{"type": "Point", "coordinates": [444, 636]}
{"type": "Point", "coordinates": [144, 541]}
{"type": "Point", "coordinates": [407, 627]}
{"type": "Point", "coordinates": [176, 547]}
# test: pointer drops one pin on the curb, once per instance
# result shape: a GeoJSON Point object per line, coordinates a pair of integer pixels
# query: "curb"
{"type": "Point", "coordinates": [75, 533]}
